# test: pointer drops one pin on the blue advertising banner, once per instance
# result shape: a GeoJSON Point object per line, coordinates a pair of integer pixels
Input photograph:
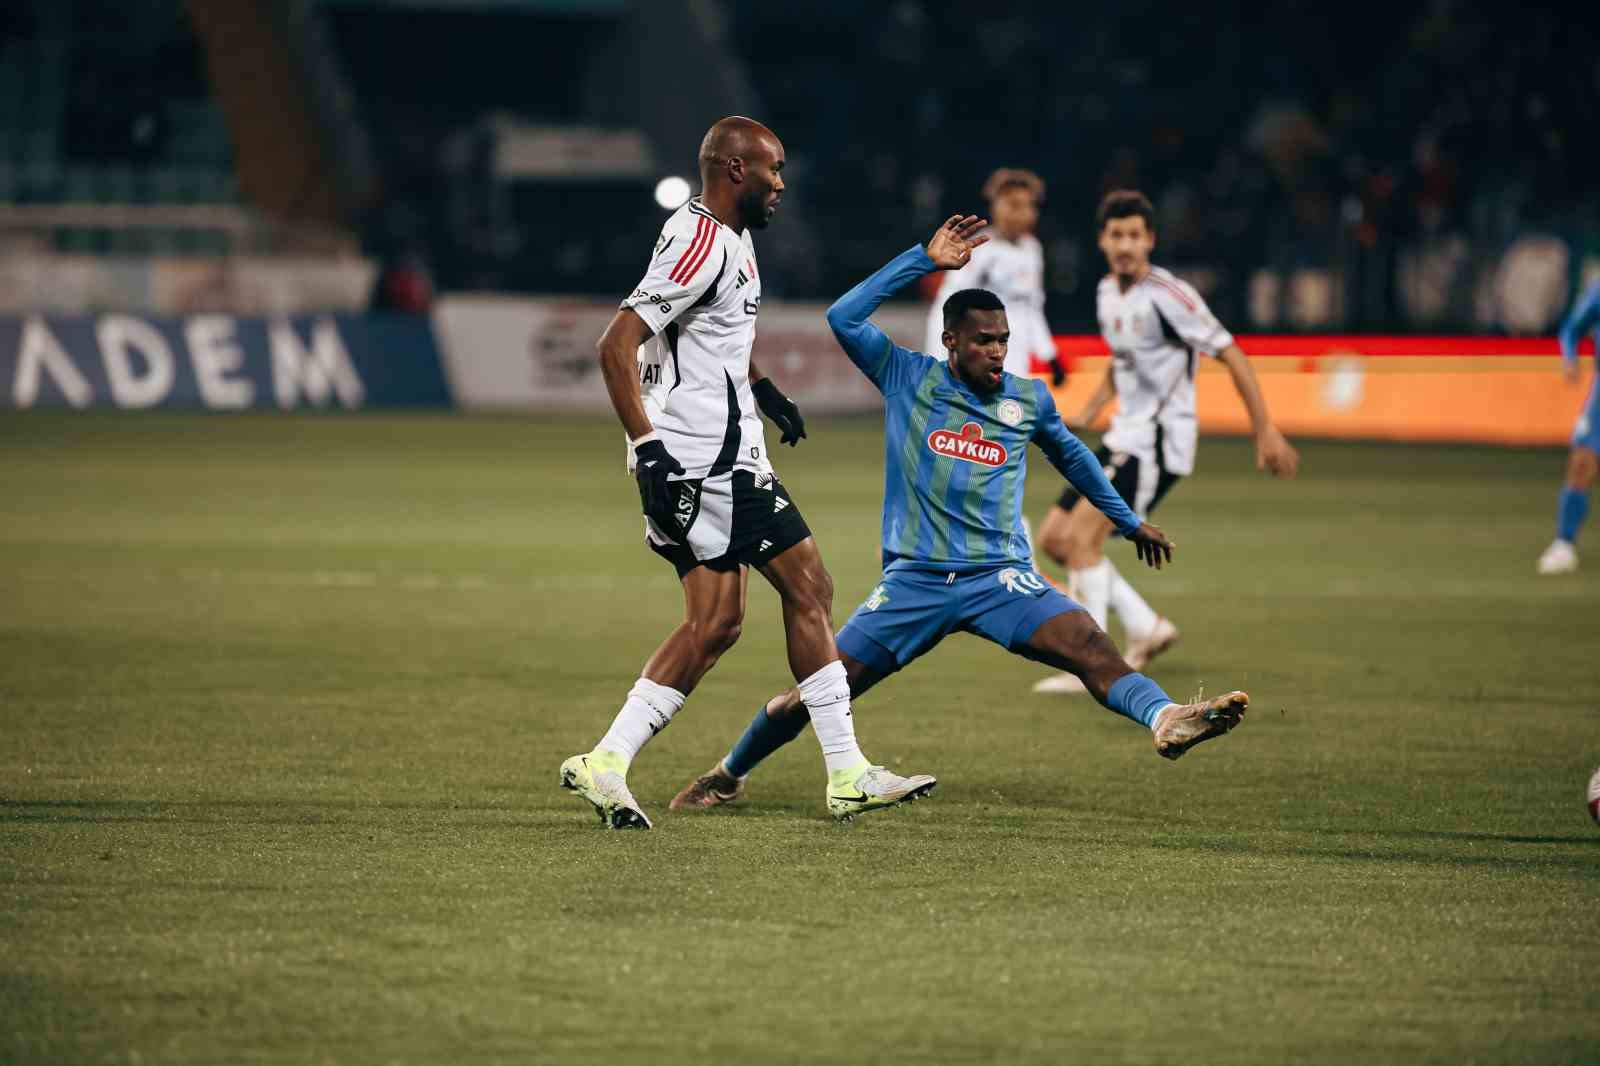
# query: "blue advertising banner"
{"type": "Point", "coordinates": [219, 362]}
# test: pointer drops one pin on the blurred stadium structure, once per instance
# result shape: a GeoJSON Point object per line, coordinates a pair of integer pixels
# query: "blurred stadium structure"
{"type": "Point", "coordinates": [1419, 166]}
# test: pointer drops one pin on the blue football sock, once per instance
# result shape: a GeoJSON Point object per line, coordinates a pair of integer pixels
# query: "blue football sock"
{"type": "Point", "coordinates": [764, 736]}
{"type": "Point", "coordinates": [1571, 512]}
{"type": "Point", "coordinates": [1137, 697]}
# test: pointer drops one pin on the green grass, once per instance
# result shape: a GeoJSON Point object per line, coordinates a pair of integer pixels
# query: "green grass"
{"type": "Point", "coordinates": [282, 702]}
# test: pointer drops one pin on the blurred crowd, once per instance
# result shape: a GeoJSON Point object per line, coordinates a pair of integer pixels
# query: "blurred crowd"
{"type": "Point", "coordinates": [1417, 165]}
{"type": "Point", "coordinates": [1313, 165]}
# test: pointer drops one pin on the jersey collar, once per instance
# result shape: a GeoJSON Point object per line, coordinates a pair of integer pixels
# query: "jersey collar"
{"type": "Point", "coordinates": [697, 207]}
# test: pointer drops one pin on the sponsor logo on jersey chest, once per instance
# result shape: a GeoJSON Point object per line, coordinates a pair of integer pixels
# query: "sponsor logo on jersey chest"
{"type": "Point", "coordinates": [969, 445]}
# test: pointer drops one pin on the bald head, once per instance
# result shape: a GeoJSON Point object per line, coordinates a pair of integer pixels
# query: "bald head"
{"type": "Point", "coordinates": [741, 163]}
{"type": "Point", "coordinates": [735, 137]}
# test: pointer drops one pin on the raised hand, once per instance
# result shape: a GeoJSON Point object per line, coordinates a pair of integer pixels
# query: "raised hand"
{"type": "Point", "coordinates": [952, 243]}
{"type": "Point", "coordinates": [1152, 545]}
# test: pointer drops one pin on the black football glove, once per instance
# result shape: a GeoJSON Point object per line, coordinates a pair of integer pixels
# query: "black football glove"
{"type": "Point", "coordinates": [1058, 372]}
{"type": "Point", "coordinates": [655, 491]}
{"type": "Point", "coordinates": [780, 410]}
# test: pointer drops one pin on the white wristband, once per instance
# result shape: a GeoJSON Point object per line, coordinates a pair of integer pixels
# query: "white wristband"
{"type": "Point", "coordinates": [647, 438]}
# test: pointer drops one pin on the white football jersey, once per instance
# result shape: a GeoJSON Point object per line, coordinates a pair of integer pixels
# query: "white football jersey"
{"type": "Point", "coordinates": [1156, 330]}
{"type": "Point", "coordinates": [1013, 271]}
{"type": "Point", "coordinates": [700, 297]}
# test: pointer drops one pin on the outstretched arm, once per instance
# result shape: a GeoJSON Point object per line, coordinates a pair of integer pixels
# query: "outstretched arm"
{"type": "Point", "coordinates": [868, 346]}
{"type": "Point", "coordinates": [1078, 465]}
{"type": "Point", "coordinates": [1104, 393]}
{"type": "Point", "coordinates": [850, 316]}
{"type": "Point", "coordinates": [1273, 451]}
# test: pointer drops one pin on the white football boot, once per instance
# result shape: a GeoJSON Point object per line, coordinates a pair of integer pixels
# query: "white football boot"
{"type": "Point", "coordinates": [1560, 558]}
{"type": "Point", "coordinates": [597, 778]}
{"type": "Point", "coordinates": [872, 788]}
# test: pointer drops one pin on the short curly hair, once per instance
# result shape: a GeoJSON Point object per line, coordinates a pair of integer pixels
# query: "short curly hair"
{"type": "Point", "coordinates": [1012, 177]}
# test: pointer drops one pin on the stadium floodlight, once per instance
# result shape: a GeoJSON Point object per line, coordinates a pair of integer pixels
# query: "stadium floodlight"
{"type": "Point", "coordinates": [672, 192]}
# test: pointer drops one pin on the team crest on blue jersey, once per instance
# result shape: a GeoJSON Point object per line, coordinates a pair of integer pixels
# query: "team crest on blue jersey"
{"type": "Point", "coordinates": [1009, 412]}
{"type": "Point", "coordinates": [968, 446]}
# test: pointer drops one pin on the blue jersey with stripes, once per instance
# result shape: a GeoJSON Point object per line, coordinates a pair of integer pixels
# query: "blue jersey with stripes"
{"type": "Point", "coordinates": [954, 458]}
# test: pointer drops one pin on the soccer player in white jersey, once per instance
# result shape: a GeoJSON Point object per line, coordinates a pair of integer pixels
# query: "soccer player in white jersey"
{"type": "Point", "coordinates": [676, 362]}
{"type": "Point", "coordinates": [1010, 265]}
{"type": "Point", "coordinates": [1156, 326]}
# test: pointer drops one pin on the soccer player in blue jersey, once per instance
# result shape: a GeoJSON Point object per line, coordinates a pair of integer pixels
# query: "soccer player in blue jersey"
{"type": "Point", "coordinates": [955, 554]}
{"type": "Point", "coordinates": [1583, 462]}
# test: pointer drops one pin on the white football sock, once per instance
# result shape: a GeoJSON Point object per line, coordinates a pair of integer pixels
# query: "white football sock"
{"type": "Point", "coordinates": [1093, 586]}
{"type": "Point", "coordinates": [826, 695]}
{"type": "Point", "coordinates": [648, 709]}
{"type": "Point", "coordinates": [1138, 617]}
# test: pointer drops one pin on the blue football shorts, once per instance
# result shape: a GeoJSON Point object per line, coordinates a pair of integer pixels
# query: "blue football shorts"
{"type": "Point", "coordinates": [913, 610]}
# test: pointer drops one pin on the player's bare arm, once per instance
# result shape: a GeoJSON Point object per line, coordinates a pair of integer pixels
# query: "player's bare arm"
{"type": "Point", "coordinates": [779, 409]}
{"type": "Point", "coordinates": [952, 244]}
{"type": "Point", "coordinates": [1104, 393]}
{"type": "Point", "coordinates": [619, 365]}
{"type": "Point", "coordinates": [1274, 453]}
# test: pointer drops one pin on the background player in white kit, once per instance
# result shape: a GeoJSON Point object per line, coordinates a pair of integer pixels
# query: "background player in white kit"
{"type": "Point", "coordinates": [1010, 265]}
{"type": "Point", "coordinates": [676, 361]}
{"type": "Point", "coordinates": [1156, 326]}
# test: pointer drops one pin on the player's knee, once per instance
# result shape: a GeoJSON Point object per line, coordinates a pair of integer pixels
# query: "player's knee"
{"type": "Point", "coordinates": [1101, 665]}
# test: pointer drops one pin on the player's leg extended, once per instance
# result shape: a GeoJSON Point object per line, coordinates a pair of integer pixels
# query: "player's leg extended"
{"type": "Point", "coordinates": [713, 613]}
{"type": "Point", "coordinates": [776, 722]}
{"type": "Point", "coordinates": [1583, 466]}
{"type": "Point", "coordinates": [1071, 641]}
{"type": "Point", "coordinates": [806, 589]}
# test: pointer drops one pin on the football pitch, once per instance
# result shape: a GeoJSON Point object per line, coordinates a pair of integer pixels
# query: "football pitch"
{"type": "Point", "coordinates": [282, 702]}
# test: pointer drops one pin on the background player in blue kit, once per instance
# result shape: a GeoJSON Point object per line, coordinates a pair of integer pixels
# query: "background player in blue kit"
{"type": "Point", "coordinates": [956, 556]}
{"type": "Point", "coordinates": [1583, 462]}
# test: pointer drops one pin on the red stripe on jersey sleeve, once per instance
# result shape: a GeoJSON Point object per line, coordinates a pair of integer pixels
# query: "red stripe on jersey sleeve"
{"type": "Point", "coordinates": [689, 252]}
{"type": "Point", "coordinates": [1183, 297]}
{"type": "Point", "coordinates": [704, 253]}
